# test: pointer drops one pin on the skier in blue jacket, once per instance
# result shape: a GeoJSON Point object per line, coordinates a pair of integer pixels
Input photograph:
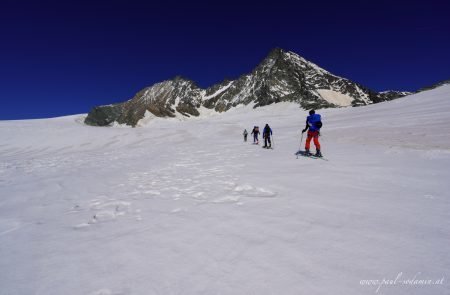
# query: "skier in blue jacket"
{"type": "Point", "coordinates": [313, 123]}
{"type": "Point", "coordinates": [267, 132]}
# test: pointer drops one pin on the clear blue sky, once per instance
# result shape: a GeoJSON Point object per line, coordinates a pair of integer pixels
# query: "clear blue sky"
{"type": "Point", "coordinates": [64, 57]}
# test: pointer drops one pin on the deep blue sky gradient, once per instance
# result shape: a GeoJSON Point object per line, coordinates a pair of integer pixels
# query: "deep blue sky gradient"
{"type": "Point", "coordinates": [64, 57]}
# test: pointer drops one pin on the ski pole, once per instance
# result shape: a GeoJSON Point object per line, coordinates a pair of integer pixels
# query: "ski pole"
{"type": "Point", "coordinates": [300, 148]}
{"type": "Point", "coordinates": [301, 139]}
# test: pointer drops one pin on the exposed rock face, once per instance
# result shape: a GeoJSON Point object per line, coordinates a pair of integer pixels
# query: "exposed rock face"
{"type": "Point", "coordinates": [104, 115]}
{"type": "Point", "coordinates": [392, 94]}
{"type": "Point", "coordinates": [281, 76]}
{"type": "Point", "coordinates": [162, 100]}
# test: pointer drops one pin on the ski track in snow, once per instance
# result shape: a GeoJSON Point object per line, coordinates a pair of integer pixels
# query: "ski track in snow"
{"type": "Point", "coordinates": [188, 208]}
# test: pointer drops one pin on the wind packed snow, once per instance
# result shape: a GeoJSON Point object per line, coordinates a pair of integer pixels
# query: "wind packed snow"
{"type": "Point", "coordinates": [186, 207]}
{"type": "Point", "coordinates": [336, 98]}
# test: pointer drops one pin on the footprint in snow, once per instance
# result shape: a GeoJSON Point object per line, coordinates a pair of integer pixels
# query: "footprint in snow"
{"type": "Point", "coordinates": [105, 210]}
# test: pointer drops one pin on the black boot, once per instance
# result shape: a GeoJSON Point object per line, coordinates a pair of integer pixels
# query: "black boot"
{"type": "Point", "coordinates": [318, 154]}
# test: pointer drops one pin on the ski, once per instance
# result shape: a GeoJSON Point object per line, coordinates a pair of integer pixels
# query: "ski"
{"type": "Point", "coordinates": [312, 156]}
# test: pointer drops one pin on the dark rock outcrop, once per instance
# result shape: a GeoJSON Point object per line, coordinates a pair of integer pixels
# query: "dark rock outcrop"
{"type": "Point", "coordinates": [392, 94]}
{"type": "Point", "coordinates": [104, 115]}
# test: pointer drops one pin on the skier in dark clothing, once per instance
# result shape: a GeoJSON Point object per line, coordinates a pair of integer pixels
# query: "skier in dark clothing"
{"type": "Point", "coordinates": [255, 133]}
{"type": "Point", "coordinates": [245, 134]}
{"type": "Point", "coordinates": [313, 123]}
{"type": "Point", "coordinates": [267, 133]}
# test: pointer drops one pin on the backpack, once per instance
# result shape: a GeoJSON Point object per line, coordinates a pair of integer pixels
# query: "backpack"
{"type": "Point", "coordinates": [315, 122]}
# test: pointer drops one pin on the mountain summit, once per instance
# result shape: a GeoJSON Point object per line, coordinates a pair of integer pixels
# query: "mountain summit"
{"type": "Point", "coordinates": [281, 76]}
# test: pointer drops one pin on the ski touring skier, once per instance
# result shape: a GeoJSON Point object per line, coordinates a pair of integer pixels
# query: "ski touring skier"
{"type": "Point", "coordinates": [313, 123]}
{"type": "Point", "coordinates": [255, 133]}
{"type": "Point", "coordinates": [267, 133]}
{"type": "Point", "coordinates": [245, 134]}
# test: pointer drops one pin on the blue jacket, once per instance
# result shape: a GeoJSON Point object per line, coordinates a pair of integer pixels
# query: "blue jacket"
{"type": "Point", "coordinates": [311, 122]}
{"type": "Point", "coordinates": [267, 131]}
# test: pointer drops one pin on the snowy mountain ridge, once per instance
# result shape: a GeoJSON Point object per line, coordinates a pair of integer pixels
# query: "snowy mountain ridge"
{"type": "Point", "coordinates": [281, 76]}
{"type": "Point", "coordinates": [442, 83]}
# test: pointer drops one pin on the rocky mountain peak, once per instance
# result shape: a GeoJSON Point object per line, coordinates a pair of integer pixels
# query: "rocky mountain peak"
{"type": "Point", "coordinates": [273, 56]}
{"type": "Point", "coordinates": [281, 76]}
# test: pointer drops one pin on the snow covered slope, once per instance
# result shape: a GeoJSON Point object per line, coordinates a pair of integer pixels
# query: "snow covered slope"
{"type": "Point", "coordinates": [189, 208]}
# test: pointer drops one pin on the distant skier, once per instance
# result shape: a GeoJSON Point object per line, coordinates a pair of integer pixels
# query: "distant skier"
{"type": "Point", "coordinates": [245, 134]}
{"type": "Point", "coordinates": [267, 133]}
{"type": "Point", "coordinates": [255, 133]}
{"type": "Point", "coordinates": [313, 123]}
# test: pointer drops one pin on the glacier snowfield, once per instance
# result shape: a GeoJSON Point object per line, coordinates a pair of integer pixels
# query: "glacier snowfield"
{"type": "Point", "coordinates": [187, 207]}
